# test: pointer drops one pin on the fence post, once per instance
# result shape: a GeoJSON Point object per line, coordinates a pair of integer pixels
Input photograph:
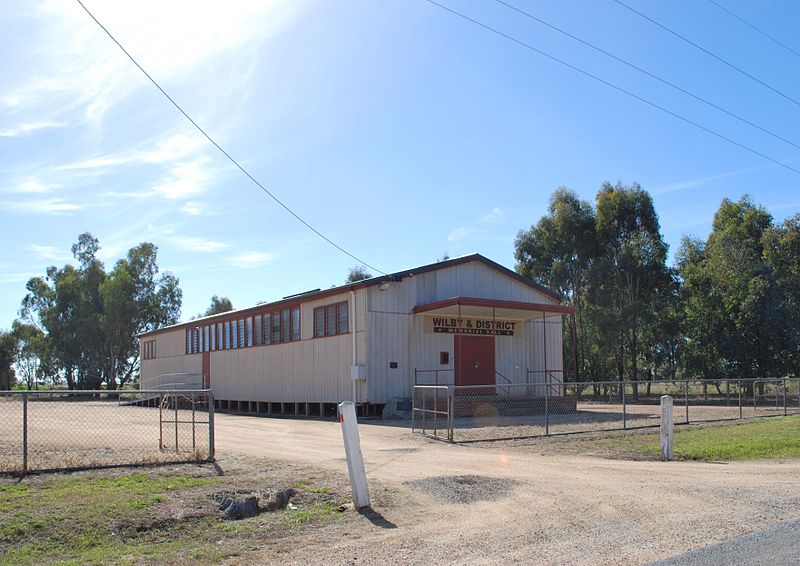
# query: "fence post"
{"type": "Point", "coordinates": [666, 428]}
{"type": "Point", "coordinates": [211, 446]}
{"type": "Point", "coordinates": [352, 449]}
{"type": "Point", "coordinates": [24, 433]}
{"type": "Point", "coordinates": [450, 417]}
{"type": "Point", "coordinates": [624, 407]}
{"type": "Point", "coordinates": [785, 412]}
{"type": "Point", "coordinates": [686, 400]}
{"type": "Point", "coordinates": [741, 414]}
{"type": "Point", "coordinates": [546, 408]}
{"type": "Point", "coordinates": [194, 426]}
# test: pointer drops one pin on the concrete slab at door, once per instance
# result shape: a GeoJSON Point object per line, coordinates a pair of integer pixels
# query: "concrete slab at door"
{"type": "Point", "coordinates": [474, 360]}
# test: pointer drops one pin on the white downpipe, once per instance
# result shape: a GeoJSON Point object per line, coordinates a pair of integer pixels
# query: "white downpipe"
{"type": "Point", "coordinates": [353, 300]}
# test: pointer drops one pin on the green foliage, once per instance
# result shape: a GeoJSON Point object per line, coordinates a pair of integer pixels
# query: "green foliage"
{"type": "Point", "coordinates": [89, 318]}
{"type": "Point", "coordinates": [218, 305]}
{"type": "Point", "coordinates": [357, 273]}
{"type": "Point", "coordinates": [729, 309]}
{"type": "Point", "coordinates": [609, 263]}
{"type": "Point", "coordinates": [8, 353]}
{"type": "Point", "coordinates": [740, 290]}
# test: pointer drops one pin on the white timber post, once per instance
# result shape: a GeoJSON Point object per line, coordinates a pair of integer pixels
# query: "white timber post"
{"type": "Point", "coordinates": [352, 449]}
{"type": "Point", "coordinates": [666, 428]}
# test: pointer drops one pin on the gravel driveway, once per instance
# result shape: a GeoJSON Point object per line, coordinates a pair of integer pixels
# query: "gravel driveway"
{"type": "Point", "coordinates": [542, 508]}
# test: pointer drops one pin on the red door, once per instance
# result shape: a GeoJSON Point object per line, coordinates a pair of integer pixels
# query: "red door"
{"type": "Point", "coordinates": [206, 370]}
{"type": "Point", "coordinates": [474, 360]}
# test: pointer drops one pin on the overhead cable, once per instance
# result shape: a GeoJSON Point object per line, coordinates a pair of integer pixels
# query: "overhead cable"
{"type": "Point", "coordinates": [707, 52]}
{"type": "Point", "coordinates": [225, 153]}
{"type": "Point", "coordinates": [649, 74]}
{"type": "Point", "coordinates": [614, 86]}
{"type": "Point", "coordinates": [751, 26]}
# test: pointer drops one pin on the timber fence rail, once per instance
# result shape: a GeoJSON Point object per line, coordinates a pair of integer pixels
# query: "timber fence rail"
{"type": "Point", "coordinates": [61, 429]}
{"type": "Point", "coordinates": [521, 410]}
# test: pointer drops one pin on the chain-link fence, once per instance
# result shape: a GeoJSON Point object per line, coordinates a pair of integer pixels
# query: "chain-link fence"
{"type": "Point", "coordinates": [507, 411]}
{"type": "Point", "coordinates": [56, 430]}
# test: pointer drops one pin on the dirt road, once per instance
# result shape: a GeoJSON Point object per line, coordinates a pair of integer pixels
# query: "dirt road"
{"type": "Point", "coordinates": [559, 510]}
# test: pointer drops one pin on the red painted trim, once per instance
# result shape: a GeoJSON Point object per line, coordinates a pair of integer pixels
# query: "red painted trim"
{"type": "Point", "coordinates": [398, 276]}
{"type": "Point", "coordinates": [496, 303]}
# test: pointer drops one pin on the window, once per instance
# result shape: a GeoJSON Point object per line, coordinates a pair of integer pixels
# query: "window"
{"type": "Point", "coordinates": [234, 334]}
{"type": "Point", "coordinates": [188, 340]}
{"type": "Point", "coordinates": [296, 323]}
{"type": "Point", "coordinates": [206, 346]}
{"type": "Point", "coordinates": [240, 324]}
{"type": "Point", "coordinates": [265, 335]}
{"type": "Point", "coordinates": [257, 330]}
{"type": "Point", "coordinates": [149, 349]}
{"type": "Point", "coordinates": [285, 325]}
{"type": "Point", "coordinates": [220, 343]}
{"type": "Point", "coordinates": [276, 328]}
{"type": "Point", "coordinates": [331, 320]}
{"type": "Point", "coordinates": [249, 330]}
{"type": "Point", "coordinates": [194, 340]}
{"type": "Point", "coordinates": [319, 322]}
{"type": "Point", "coordinates": [341, 318]}
{"type": "Point", "coordinates": [212, 334]}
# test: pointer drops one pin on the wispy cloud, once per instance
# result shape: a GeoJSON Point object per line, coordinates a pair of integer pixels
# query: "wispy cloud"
{"type": "Point", "coordinates": [43, 206]}
{"type": "Point", "coordinates": [29, 186]}
{"type": "Point", "coordinates": [701, 181]}
{"type": "Point", "coordinates": [494, 215]}
{"type": "Point", "coordinates": [48, 253]}
{"type": "Point", "coordinates": [251, 259]}
{"type": "Point", "coordinates": [184, 180]}
{"type": "Point", "coordinates": [84, 71]}
{"type": "Point", "coordinates": [192, 208]}
{"type": "Point", "coordinates": [460, 233]}
{"type": "Point", "coordinates": [194, 244]}
{"type": "Point", "coordinates": [9, 278]}
{"type": "Point", "coordinates": [27, 128]}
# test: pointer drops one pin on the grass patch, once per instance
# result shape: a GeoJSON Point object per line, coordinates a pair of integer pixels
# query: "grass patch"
{"type": "Point", "coordinates": [80, 519]}
{"type": "Point", "coordinates": [154, 517]}
{"type": "Point", "coordinates": [774, 437]}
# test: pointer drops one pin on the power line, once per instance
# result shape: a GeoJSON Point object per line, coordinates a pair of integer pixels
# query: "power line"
{"type": "Point", "coordinates": [707, 52]}
{"type": "Point", "coordinates": [615, 87]}
{"type": "Point", "coordinates": [648, 73]}
{"type": "Point", "coordinates": [751, 26]}
{"type": "Point", "coordinates": [225, 153]}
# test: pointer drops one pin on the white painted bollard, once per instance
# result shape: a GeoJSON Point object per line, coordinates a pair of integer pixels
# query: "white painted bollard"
{"type": "Point", "coordinates": [666, 428]}
{"type": "Point", "coordinates": [352, 449]}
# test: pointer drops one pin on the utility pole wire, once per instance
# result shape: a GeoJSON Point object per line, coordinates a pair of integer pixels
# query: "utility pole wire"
{"type": "Point", "coordinates": [649, 74]}
{"type": "Point", "coordinates": [615, 87]}
{"type": "Point", "coordinates": [709, 53]}
{"type": "Point", "coordinates": [751, 26]}
{"type": "Point", "coordinates": [225, 153]}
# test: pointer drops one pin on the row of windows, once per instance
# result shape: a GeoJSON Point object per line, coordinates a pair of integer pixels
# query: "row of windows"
{"type": "Point", "coordinates": [271, 328]}
{"type": "Point", "coordinates": [330, 320]}
{"type": "Point", "coordinates": [149, 350]}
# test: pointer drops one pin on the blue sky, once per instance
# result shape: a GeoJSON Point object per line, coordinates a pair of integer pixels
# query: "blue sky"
{"type": "Point", "coordinates": [397, 129]}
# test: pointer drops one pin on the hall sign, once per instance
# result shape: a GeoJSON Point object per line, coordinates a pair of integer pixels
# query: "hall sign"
{"type": "Point", "coordinates": [474, 326]}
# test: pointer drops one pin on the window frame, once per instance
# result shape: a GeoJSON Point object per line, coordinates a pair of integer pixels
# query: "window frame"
{"type": "Point", "coordinates": [327, 324]}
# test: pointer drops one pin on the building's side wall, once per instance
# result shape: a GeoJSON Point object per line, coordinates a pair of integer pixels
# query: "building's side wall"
{"type": "Point", "coordinates": [171, 364]}
{"type": "Point", "coordinates": [310, 370]}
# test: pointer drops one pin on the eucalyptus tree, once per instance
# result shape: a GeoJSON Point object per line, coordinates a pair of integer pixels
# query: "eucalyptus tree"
{"type": "Point", "coordinates": [559, 251]}
{"type": "Point", "coordinates": [629, 270]}
{"type": "Point", "coordinates": [90, 318]}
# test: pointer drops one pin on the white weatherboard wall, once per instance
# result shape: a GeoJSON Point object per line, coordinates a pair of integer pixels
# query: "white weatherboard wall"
{"type": "Point", "coordinates": [170, 358]}
{"type": "Point", "coordinates": [313, 370]}
{"type": "Point", "coordinates": [395, 334]}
